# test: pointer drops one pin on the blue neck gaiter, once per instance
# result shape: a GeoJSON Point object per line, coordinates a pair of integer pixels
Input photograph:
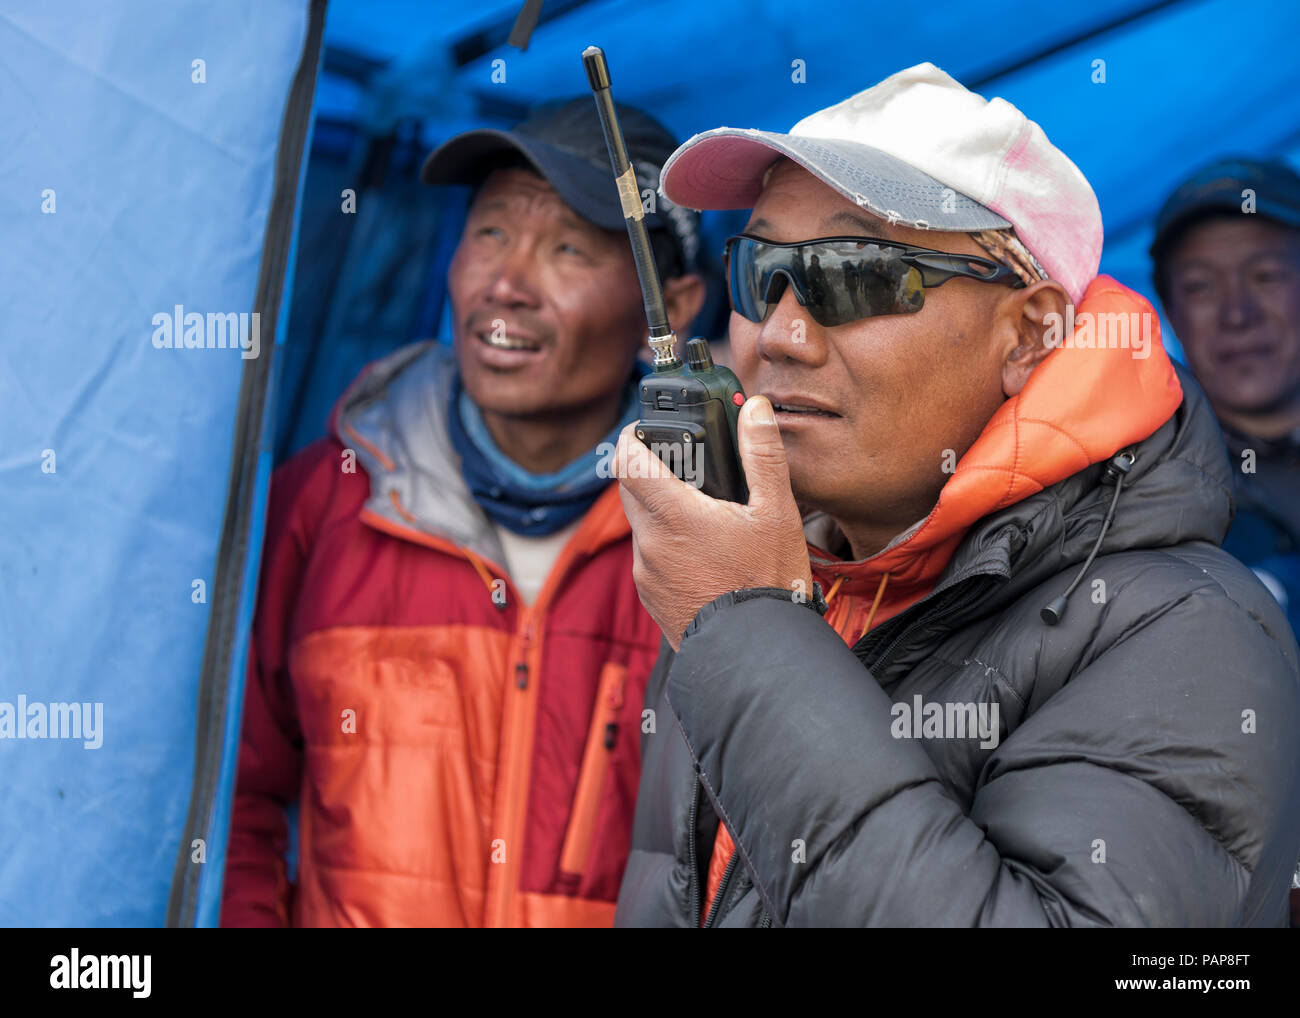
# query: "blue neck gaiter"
{"type": "Point", "coordinates": [532, 505]}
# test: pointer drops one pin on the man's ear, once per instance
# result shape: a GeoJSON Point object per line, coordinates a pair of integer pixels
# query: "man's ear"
{"type": "Point", "coordinates": [1034, 316]}
{"type": "Point", "coordinates": [683, 297]}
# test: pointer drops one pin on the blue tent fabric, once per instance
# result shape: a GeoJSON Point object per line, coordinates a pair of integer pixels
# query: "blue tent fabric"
{"type": "Point", "coordinates": [196, 886]}
{"type": "Point", "coordinates": [149, 158]}
{"type": "Point", "coordinates": [137, 180]}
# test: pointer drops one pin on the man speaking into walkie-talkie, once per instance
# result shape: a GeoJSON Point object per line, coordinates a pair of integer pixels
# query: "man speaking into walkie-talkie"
{"type": "Point", "coordinates": [999, 673]}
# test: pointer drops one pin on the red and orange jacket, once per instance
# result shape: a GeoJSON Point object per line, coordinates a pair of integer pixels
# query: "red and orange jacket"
{"type": "Point", "coordinates": [459, 758]}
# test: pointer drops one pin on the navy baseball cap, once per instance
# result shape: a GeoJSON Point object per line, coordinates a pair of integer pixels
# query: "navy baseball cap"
{"type": "Point", "coordinates": [565, 143]}
{"type": "Point", "coordinates": [1219, 186]}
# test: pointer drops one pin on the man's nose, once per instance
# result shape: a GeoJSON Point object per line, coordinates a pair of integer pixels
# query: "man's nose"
{"type": "Point", "coordinates": [789, 332]}
{"type": "Point", "coordinates": [514, 279]}
{"type": "Point", "coordinates": [1238, 308]}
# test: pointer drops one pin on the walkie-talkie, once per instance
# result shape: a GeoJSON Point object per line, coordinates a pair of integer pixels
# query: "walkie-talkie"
{"type": "Point", "coordinates": [688, 411]}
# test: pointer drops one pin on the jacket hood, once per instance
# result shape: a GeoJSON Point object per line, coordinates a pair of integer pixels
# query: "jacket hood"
{"type": "Point", "coordinates": [1032, 479]}
{"type": "Point", "coordinates": [395, 416]}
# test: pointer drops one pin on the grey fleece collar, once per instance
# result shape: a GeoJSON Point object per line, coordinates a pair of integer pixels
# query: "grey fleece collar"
{"type": "Point", "coordinates": [398, 410]}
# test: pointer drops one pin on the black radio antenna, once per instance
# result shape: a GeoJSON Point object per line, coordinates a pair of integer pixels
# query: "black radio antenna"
{"type": "Point", "coordinates": [663, 341]}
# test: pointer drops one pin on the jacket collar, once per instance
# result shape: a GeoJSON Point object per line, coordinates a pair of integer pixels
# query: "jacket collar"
{"type": "Point", "coordinates": [395, 417]}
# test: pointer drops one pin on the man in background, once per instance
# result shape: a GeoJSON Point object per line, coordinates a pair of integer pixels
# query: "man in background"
{"type": "Point", "coordinates": [1227, 268]}
{"type": "Point", "coordinates": [449, 653]}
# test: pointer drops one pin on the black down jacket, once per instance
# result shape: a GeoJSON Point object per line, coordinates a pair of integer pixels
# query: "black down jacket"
{"type": "Point", "coordinates": [1147, 765]}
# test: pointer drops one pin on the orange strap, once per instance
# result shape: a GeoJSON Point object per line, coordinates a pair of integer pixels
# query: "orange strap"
{"type": "Point", "coordinates": [834, 587]}
{"type": "Point", "coordinates": [880, 593]}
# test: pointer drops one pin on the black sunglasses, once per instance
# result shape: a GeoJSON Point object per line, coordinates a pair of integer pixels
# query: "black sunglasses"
{"type": "Point", "coordinates": [844, 279]}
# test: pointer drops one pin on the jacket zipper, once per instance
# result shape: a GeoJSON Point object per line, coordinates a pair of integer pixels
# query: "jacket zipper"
{"type": "Point", "coordinates": [521, 707]}
{"type": "Point", "coordinates": [691, 853]}
{"type": "Point", "coordinates": [515, 778]}
{"type": "Point", "coordinates": [602, 736]}
{"type": "Point", "coordinates": [724, 888]}
{"type": "Point", "coordinates": [954, 601]}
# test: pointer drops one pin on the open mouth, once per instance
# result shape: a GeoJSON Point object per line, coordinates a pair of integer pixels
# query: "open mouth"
{"type": "Point", "coordinates": [499, 340]}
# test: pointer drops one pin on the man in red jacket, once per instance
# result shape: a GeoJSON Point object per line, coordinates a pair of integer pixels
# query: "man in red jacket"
{"type": "Point", "coordinates": [449, 654]}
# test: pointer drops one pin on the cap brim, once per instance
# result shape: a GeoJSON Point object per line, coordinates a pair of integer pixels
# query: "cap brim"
{"type": "Point", "coordinates": [460, 160]}
{"type": "Point", "coordinates": [591, 193]}
{"type": "Point", "coordinates": [723, 169]}
{"type": "Point", "coordinates": [1227, 203]}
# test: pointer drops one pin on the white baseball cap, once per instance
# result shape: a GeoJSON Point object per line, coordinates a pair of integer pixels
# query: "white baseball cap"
{"type": "Point", "coordinates": [922, 150]}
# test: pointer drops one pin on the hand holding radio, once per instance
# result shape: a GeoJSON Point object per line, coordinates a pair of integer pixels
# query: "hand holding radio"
{"type": "Point", "coordinates": [689, 548]}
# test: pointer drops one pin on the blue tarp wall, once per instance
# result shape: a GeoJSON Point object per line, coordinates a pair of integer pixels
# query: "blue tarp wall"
{"type": "Point", "coordinates": [130, 186]}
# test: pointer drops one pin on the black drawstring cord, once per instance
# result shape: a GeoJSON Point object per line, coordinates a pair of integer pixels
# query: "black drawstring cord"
{"type": "Point", "coordinates": [1116, 470]}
